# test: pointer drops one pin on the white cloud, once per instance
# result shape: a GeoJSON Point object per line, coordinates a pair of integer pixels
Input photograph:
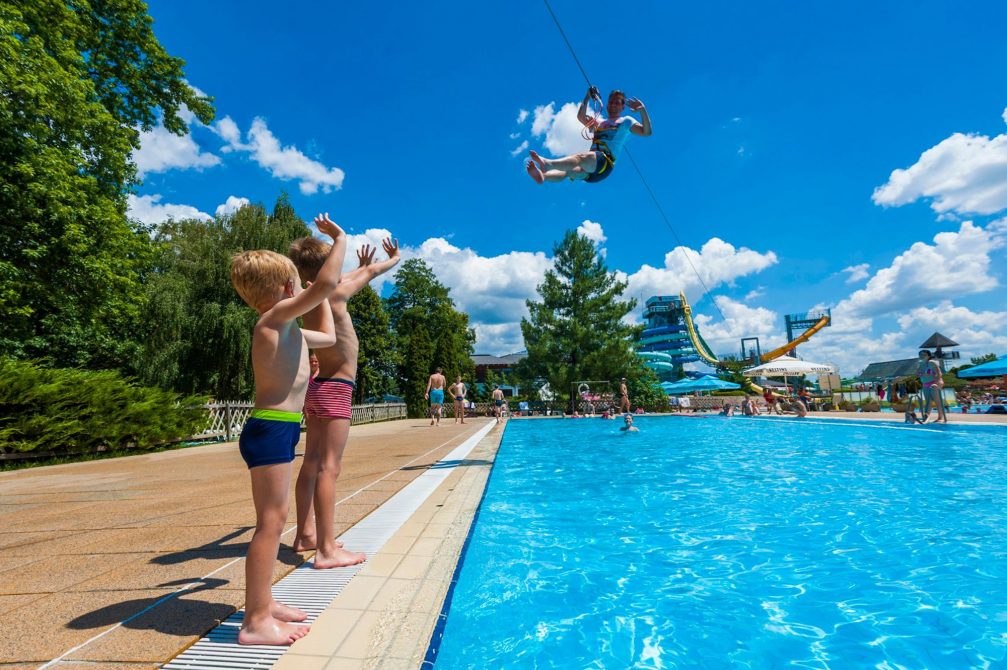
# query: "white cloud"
{"type": "Point", "coordinates": [963, 174]}
{"type": "Point", "coordinates": [289, 163]}
{"type": "Point", "coordinates": [161, 151]}
{"type": "Point", "coordinates": [956, 264]}
{"type": "Point", "coordinates": [740, 321]}
{"type": "Point", "coordinates": [283, 162]}
{"type": "Point", "coordinates": [514, 136]}
{"type": "Point", "coordinates": [493, 289]}
{"type": "Point", "coordinates": [523, 114]}
{"type": "Point", "coordinates": [149, 209]}
{"type": "Point", "coordinates": [592, 231]}
{"type": "Point", "coordinates": [231, 205]}
{"type": "Point", "coordinates": [561, 130]}
{"type": "Point", "coordinates": [755, 293]}
{"type": "Point", "coordinates": [520, 148]}
{"type": "Point", "coordinates": [977, 332]}
{"type": "Point", "coordinates": [1005, 115]}
{"type": "Point", "coordinates": [857, 272]}
{"type": "Point", "coordinates": [228, 131]}
{"type": "Point", "coordinates": [717, 262]}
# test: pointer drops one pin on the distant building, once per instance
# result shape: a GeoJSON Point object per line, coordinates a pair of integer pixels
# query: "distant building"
{"type": "Point", "coordinates": [499, 365]}
{"type": "Point", "coordinates": [665, 332]}
{"type": "Point", "coordinates": [939, 343]}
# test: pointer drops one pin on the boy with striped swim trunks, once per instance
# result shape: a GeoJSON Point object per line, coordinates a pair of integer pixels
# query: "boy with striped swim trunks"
{"type": "Point", "coordinates": [268, 283]}
{"type": "Point", "coordinates": [328, 402]}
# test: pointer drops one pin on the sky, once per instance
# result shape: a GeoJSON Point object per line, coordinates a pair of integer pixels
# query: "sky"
{"type": "Point", "coordinates": [842, 155]}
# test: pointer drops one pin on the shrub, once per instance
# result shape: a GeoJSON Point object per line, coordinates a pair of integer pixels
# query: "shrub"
{"type": "Point", "coordinates": [80, 411]}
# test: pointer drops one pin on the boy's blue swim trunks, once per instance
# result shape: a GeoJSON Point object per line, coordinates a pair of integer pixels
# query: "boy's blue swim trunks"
{"type": "Point", "coordinates": [437, 397]}
{"type": "Point", "coordinates": [269, 437]}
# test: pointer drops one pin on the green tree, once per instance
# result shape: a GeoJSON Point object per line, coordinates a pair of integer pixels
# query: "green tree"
{"type": "Point", "coordinates": [197, 329]}
{"type": "Point", "coordinates": [576, 332]}
{"type": "Point", "coordinates": [986, 358]}
{"type": "Point", "coordinates": [378, 358]}
{"type": "Point", "coordinates": [430, 332]}
{"type": "Point", "coordinates": [78, 80]}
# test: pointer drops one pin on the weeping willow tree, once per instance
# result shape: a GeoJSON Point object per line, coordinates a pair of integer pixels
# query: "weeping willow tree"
{"type": "Point", "coordinates": [197, 331]}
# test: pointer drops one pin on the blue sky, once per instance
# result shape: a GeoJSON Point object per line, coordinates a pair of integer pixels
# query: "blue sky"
{"type": "Point", "coordinates": [777, 129]}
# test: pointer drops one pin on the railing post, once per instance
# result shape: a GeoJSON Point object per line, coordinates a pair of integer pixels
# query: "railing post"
{"type": "Point", "coordinates": [227, 420]}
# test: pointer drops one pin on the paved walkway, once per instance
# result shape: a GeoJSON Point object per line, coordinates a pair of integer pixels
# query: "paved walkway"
{"type": "Point", "coordinates": [86, 546]}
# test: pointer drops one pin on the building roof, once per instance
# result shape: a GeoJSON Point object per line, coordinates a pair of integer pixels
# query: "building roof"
{"type": "Point", "coordinates": [890, 370]}
{"type": "Point", "coordinates": [506, 361]}
{"type": "Point", "coordinates": [938, 340]}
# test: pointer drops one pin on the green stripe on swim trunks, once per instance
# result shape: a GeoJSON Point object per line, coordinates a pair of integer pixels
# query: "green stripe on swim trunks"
{"type": "Point", "coordinates": [276, 415]}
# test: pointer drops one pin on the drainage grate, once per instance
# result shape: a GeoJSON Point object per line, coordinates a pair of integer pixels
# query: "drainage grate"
{"type": "Point", "coordinates": [312, 590]}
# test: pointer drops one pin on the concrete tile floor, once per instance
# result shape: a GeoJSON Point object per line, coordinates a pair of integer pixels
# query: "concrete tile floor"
{"type": "Point", "coordinates": [108, 538]}
{"type": "Point", "coordinates": [385, 617]}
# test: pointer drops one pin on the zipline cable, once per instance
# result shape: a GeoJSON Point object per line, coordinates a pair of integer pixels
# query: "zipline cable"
{"type": "Point", "coordinates": [646, 185]}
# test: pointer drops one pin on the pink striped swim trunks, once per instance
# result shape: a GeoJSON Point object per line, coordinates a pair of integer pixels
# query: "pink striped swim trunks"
{"type": "Point", "coordinates": [329, 398]}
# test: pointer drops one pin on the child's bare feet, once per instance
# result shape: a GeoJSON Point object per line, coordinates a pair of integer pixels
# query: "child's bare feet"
{"type": "Point", "coordinates": [535, 172]}
{"type": "Point", "coordinates": [538, 160]}
{"type": "Point", "coordinates": [302, 544]}
{"type": "Point", "coordinates": [271, 631]}
{"type": "Point", "coordinates": [340, 558]}
{"type": "Point", "coordinates": [282, 612]}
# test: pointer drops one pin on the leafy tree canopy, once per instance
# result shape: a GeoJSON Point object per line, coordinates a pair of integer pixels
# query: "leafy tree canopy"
{"type": "Point", "coordinates": [197, 331]}
{"type": "Point", "coordinates": [77, 81]}
{"type": "Point", "coordinates": [430, 332]}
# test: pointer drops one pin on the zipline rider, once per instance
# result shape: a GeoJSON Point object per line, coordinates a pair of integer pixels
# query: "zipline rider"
{"type": "Point", "coordinates": [607, 139]}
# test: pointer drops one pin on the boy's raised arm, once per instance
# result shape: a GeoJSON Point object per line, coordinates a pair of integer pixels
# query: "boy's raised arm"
{"type": "Point", "coordinates": [325, 282]}
{"type": "Point", "coordinates": [355, 280]}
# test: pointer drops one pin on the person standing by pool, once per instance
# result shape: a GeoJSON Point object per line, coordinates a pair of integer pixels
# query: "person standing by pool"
{"type": "Point", "coordinates": [329, 401]}
{"type": "Point", "coordinates": [268, 283]}
{"type": "Point", "coordinates": [458, 390]}
{"type": "Point", "coordinates": [435, 394]}
{"type": "Point", "coordinates": [771, 403]}
{"type": "Point", "coordinates": [498, 402]}
{"type": "Point", "coordinates": [933, 385]}
{"type": "Point", "coordinates": [624, 405]}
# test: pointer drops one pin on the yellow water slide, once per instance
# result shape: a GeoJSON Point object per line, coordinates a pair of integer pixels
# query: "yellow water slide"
{"type": "Point", "coordinates": [706, 353]}
{"type": "Point", "coordinates": [800, 339]}
{"type": "Point", "coordinates": [702, 348]}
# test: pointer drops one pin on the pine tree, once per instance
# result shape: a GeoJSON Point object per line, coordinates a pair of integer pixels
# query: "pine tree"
{"type": "Point", "coordinates": [576, 331]}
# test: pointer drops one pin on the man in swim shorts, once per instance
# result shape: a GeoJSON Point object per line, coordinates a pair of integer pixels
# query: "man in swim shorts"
{"type": "Point", "coordinates": [498, 402]}
{"type": "Point", "coordinates": [624, 405]}
{"type": "Point", "coordinates": [328, 403]}
{"type": "Point", "coordinates": [458, 390]}
{"type": "Point", "coordinates": [608, 137]}
{"type": "Point", "coordinates": [435, 394]}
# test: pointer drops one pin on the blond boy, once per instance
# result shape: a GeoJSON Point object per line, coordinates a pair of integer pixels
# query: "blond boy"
{"type": "Point", "coordinates": [268, 282]}
{"type": "Point", "coordinates": [328, 402]}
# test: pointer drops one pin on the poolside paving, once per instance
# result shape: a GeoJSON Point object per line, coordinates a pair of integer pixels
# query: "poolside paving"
{"type": "Point", "coordinates": [84, 546]}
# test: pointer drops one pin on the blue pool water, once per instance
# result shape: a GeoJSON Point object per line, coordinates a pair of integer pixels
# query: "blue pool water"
{"type": "Point", "coordinates": [736, 542]}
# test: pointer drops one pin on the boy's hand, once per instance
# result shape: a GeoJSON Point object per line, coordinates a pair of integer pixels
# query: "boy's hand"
{"type": "Point", "coordinates": [635, 104]}
{"type": "Point", "coordinates": [365, 255]}
{"type": "Point", "coordinates": [391, 247]}
{"type": "Point", "coordinates": [327, 226]}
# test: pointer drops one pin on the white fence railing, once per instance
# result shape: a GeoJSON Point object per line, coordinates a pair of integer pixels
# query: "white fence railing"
{"type": "Point", "coordinates": [228, 418]}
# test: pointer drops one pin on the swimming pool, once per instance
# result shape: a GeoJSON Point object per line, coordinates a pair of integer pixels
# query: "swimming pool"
{"type": "Point", "coordinates": [750, 542]}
